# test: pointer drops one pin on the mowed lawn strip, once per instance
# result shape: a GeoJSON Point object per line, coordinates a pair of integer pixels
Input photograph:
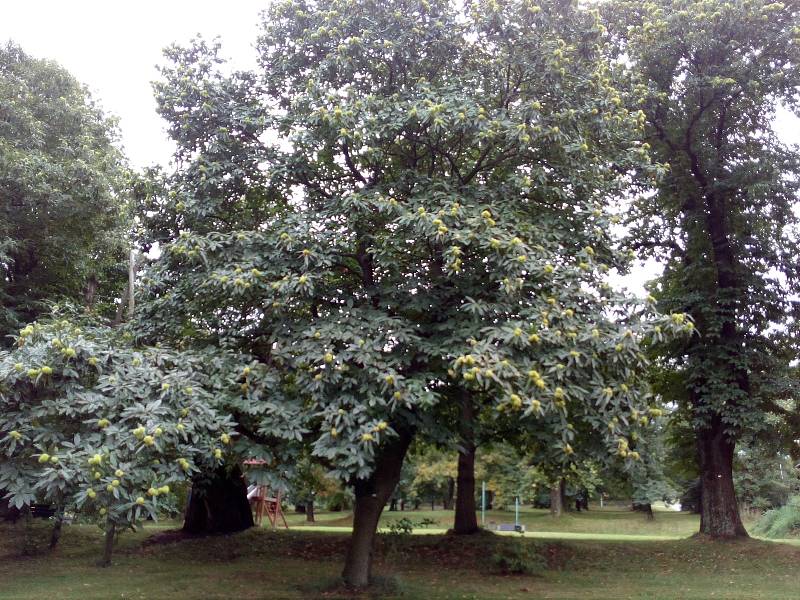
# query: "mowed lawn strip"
{"type": "Point", "coordinates": [154, 563]}
{"type": "Point", "coordinates": [616, 521]}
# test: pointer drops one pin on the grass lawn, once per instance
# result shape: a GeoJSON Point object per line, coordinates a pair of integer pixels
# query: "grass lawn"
{"type": "Point", "coordinates": [304, 564]}
{"type": "Point", "coordinates": [609, 521]}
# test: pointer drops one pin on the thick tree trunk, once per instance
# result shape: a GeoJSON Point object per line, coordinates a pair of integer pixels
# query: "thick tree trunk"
{"type": "Point", "coordinates": [310, 510]}
{"type": "Point", "coordinates": [371, 496]}
{"type": "Point", "coordinates": [719, 511]}
{"type": "Point", "coordinates": [108, 548]}
{"type": "Point", "coordinates": [8, 512]}
{"type": "Point", "coordinates": [29, 544]}
{"type": "Point", "coordinates": [466, 518]}
{"type": "Point", "coordinates": [556, 506]}
{"type": "Point", "coordinates": [722, 350]}
{"type": "Point", "coordinates": [645, 508]}
{"type": "Point", "coordinates": [218, 504]}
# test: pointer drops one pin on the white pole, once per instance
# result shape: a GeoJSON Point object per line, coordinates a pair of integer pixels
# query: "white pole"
{"type": "Point", "coordinates": [516, 511]}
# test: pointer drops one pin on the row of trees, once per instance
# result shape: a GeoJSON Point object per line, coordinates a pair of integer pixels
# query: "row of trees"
{"type": "Point", "coordinates": [400, 228]}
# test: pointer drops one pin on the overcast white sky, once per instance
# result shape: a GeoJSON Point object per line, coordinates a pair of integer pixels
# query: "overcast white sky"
{"type": "Point", "coordinates": [113, 48]}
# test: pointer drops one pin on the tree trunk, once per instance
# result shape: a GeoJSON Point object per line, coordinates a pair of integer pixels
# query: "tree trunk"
{"type": "Point", "coordinates": [556, 507]}
{"type": "Point", "coordinates": [8, 512]}
{"type": "Point", "coordinates": [719, 511]}
{"type": "Point", "coordinates": [371, 496]}
{"type": "Point", "coordinates": [58, 522]}
{"type": "Point", "coordinates": [310, 510]}
{"type": "Point", "coordinates": [466, 518]}
{"type": "Point", "coordinates": [645, 508]}
{"type": "Point", "coordinates": [447, 503]}
{"type": "Point", "coordinates": [218, 503]}
{"type": "Point", "coordinates": [127, 302]}
{"type": "Point", "coordinates": [29, 544]}
{"type": "Point", "coordinates": [108, 549]}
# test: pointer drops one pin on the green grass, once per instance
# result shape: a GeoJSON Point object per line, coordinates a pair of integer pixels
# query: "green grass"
{"type": "Point", "coordinates": [303, 564]}
{"type": "Point", "coordinates": [615, 522]}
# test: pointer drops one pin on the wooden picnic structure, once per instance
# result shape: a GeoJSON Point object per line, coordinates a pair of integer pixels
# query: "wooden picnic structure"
{"type": "Point", "coordinates": [262, 502]}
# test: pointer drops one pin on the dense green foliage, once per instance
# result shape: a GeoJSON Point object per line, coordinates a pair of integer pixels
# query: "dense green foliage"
{"type": "Point", "coordinates": [425, 223]}
{"type": "Point", "coordinates": [710, 76]}
{"type": "Point", "coordinates": [765, 476]}
{"type": "Point", "coordinates": [62, 216]}
{"type": "Point", "coordinates": [401, 227]}
{"type": "Point", "coordinates": [782, 522]}
{"type": "Point", "coordinates": [94, 425]}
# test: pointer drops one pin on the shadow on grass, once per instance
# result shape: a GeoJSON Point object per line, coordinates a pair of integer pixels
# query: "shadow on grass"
{"type": "Point", "coordinates": [383, 587]}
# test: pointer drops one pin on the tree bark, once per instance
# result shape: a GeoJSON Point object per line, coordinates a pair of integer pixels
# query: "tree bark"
{"type": "Point", "coordinates": [719, 510]}
{"type": "Point", "coordinates": [218, 504]}
{"type": "Point", "coordinates": [556, 506]}
{"type": "Point", "coordinates": [8, 512]}
{"type": "Point", "coordinates": [127, 303]}
{"type": "Point", "coordinates": [371, 496]}
{"type": "Point", "coordinates": [310, 510]}
{"type": "Point", "coordinates": [29, 544]}
{"type": "Point", "coordinates": [108, 548]}
{"type": "Point", "coordinates": [645, 508]}
{"type": "Point", "coordinates": [58, 522]}
{"type": "Point", "coordinates": [447, 502]}
{"type": "Point", "coordinates": [466, 518]}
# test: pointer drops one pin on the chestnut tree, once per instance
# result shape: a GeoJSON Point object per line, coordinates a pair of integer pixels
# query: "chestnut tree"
{"type": "Point", "coordinates": [404, 211]}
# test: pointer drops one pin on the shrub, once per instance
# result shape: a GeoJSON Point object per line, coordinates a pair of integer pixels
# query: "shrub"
{"type": "Point", "coordinates": [405, 526]}
{"type": "Point", "coordinates": [518, 558]}
{"type": "Point", "coordinates": [780, 522]}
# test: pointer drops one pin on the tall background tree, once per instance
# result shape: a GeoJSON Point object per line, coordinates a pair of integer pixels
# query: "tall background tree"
{"type": "Point", "coordinates": [62, 216]}
{"type": "Point", "coordinates": [709, 76]}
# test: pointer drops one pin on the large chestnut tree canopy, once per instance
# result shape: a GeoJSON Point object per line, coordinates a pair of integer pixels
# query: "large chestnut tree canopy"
{"type": "Point", "coordinates": [408, 200]}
